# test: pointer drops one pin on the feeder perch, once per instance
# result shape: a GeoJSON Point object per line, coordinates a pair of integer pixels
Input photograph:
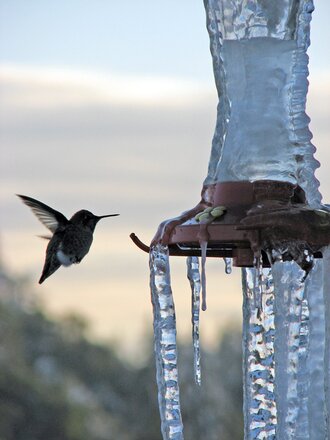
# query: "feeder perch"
{"type": "Point", "coordinates": [260, 216]}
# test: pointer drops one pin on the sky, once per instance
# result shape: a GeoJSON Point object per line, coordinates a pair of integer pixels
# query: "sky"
{"type": "Point", "coordinates": [110, 106]}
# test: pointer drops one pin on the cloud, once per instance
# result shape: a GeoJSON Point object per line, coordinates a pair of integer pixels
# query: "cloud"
{"type": "Point", "coordinates": [48, 88]}
{"type": "Point", "coordinates": [138, 146]}
{"type": "Point", "coordinates": [76, 136]}
{"type": "Point", "coordinates": [79, 136]}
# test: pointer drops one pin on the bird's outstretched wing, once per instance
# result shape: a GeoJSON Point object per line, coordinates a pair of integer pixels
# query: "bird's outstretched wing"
{"type": "Point", "coordinates": [51, 218]}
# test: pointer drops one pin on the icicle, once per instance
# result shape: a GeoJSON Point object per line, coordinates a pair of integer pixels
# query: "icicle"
{"type": "Point", "coordinates": [260, 412]}
{"type": "Point", "coordinates": [203, 245]}
{"type": "Point", "coordinates": [326, 293]}
{"type": "Point", "coordinates": [289, 299]}
{"type": "Point", "coordinates": [227, 265]}
{"type": "Point", "coordinates": [257, 291]}
{"type": "Point", "coordinates": [315, 352]}
{"type": "Point", "coordinates": [165, 344]}
{"type": "Point", "coordinates": [195, 282]}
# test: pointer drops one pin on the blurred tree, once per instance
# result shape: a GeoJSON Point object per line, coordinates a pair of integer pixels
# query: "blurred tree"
{"type": "Point", "coordinates": [56, 384]}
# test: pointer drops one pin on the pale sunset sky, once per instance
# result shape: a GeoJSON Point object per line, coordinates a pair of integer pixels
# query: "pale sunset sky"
{"type": "Point", "coordinates": [110, 106]}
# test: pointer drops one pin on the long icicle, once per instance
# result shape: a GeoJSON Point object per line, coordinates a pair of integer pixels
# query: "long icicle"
{"type": "Point", "coordinates": [326, 293]}
{"type": "Point", "coordinates": [203, 245]}
{"type": "Point", "coordinates": [260, 411]}
{"type": "Point", "coordinates": [315, 352]}
{"type": "Point", "coordinates": [195, 283]}
{"type": "Point", "coordinates": [165, 344]}
{"type": "Point", "coordinates": [289, 300]}
{"type": "Point", "coordinates": [258, 282]}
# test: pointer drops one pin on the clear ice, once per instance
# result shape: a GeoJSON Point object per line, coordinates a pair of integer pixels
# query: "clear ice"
{"type": "Point", "coordinates": [286, 352]}
{"type": "Point", "coordinates": [260, 68]}
{"type": "Point", "coordinates": [165, 344]}
{"type": "Point", "coordinates": [203, 245]}
{"type": "Point", "coordinates": [195, 283]}
{"type": "Point", "coordinates": [227, 265]}
{"type": "Point", "coordinates": [258, 358]}
{"type": "Point", "coordinates": [260, 63]}
{"type": "Point", "coordinates": [258, 275]}
{"type": "Point", "coordinates": [291, 332]}
{"type": "Point", "coordinates": [326, 365]}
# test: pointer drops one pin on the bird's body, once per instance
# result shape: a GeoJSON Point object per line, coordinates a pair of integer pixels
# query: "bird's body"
{"type": "Point", "coordinates": [65, 248]}
{"type": "Point", "coordinates": [71, 239]}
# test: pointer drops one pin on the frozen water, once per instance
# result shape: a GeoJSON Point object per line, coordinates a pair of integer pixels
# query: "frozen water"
{"type": "Point", "coordinates": [260, 68]}
{"type": "Point", "coordinates": [259, 77]}
{"type": "Point", "coordinates": [314, 353]}
{"type": "Point", "coordinates": [286, 352]}
{"type": "Point", "coordinates": [244, 19]}
{"type": "Point", "coordinates": [258, 358]}
{"type": "Point", "coordinates": [276, 342]}
{"type": "Point", "coordinates": [165, 344]}
{"type": "Point", "coordinates": [203, 245]}
{"type": "Point", "coordinates": [299, 347]}
{"type": "Point", "coordinates": [258, 275]}
{"type": "Point", "coordinates": [261, 81]}
{"type": "Point", "coordinates": [195, 282]}
{"type": "Point", "coordinates": [228, 268]}
{"type": "Point", "coordinates": [289, 325]}
{"type": "Point", "coordinates": [326, 295]}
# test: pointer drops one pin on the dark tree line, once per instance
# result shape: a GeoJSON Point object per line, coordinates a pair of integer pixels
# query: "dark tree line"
{"type": "Point", "coordinates": [55, 384]}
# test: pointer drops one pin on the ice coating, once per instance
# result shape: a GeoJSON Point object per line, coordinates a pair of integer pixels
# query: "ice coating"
{"type": "Point", "coordinates": [312, 389]}
{"type": "Point", "coordinates": [290, 328]}
{"type": "Point", "coordinates": [326, 296]}
{"type": "Point", "coordinates": [165, 344]}
{"type": "Point", "coordinates": [260, 411]}
{"type": "Point", "coordinates": [260, 68]}
{"type": "Point", "coordinates": [286, 352]}
{"type": "Point", "coordinates": [243, 19]}
{"type": "Point", "coordinates": [304, 378]}
{"type": "Point", "coordinates": [258, 274]}
{"type": "Point", "coordinates": [258, 143]}
{"type": "Point", "coordinates": [203, 245]}
{"type": "Point", "coordinates": [227, 265]}
{"type": "Point", "coordinates": [195, 283]}
{"type": "Point", "coordinates": [285, 360]}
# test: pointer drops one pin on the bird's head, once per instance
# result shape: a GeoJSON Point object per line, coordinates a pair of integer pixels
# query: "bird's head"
{"type": "Point", "coordinates": [88, 220]}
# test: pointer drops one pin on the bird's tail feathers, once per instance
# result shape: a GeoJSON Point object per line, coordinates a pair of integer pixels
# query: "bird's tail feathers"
{"type": "Point", "coordinates": [50, 267]}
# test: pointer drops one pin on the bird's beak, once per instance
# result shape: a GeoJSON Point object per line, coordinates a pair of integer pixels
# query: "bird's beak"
{"type": "Point", "coordinates": [104, 216]}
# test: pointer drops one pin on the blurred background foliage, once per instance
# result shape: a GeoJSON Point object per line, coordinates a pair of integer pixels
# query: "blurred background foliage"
{"type": "Point", "coordinates": [55, 383]}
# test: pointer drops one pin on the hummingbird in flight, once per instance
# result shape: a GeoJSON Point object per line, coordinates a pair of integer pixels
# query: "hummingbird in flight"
{"type": "Point", "coordinates": [71, 239]}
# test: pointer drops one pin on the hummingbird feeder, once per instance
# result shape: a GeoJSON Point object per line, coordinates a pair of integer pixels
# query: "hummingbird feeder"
{"type": "Point", "coordinates": [260, 206]}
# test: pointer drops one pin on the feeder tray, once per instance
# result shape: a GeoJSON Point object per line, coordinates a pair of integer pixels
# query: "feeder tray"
{"type": "Point", "coordinates": [260, 216]}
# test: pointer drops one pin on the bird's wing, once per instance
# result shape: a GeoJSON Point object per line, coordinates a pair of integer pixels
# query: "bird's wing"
{"type": "Point", "coordinates": [51, 218]}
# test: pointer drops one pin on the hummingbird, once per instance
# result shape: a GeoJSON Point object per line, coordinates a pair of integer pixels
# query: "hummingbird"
{"type": "Point", "coordinates": [71, 239]}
